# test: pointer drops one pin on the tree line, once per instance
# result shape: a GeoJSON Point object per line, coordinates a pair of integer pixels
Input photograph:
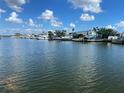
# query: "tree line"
{"type": "Point", "coordinates": [102, 33]}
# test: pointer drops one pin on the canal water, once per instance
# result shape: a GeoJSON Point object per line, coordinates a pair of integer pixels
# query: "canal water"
{"type": "Point", "coordinates": [41, 66]}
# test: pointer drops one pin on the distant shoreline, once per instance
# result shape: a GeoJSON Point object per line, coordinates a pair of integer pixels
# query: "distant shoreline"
{"type": "Point", "coordinates": [74, 40]}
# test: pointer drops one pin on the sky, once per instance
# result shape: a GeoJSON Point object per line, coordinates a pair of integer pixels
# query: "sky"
{"type": "Point", "coordinates": [35, 16]}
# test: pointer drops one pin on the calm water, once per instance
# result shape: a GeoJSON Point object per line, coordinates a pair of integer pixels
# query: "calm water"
{"type": "Point", "coordinates": [32, 66]}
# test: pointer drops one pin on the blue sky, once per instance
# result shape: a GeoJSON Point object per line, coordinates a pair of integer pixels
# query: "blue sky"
{"type": "Point", "coordinates": [35, 16]}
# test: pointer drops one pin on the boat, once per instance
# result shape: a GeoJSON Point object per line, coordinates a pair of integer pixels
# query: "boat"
{"type": "Point", "coordinates": [77, 40]}
{"type": "Point", "coordinates": [98, 40]}
{"type": "Point", "coordinates": [41, 38]}
{"type": "Point", "coordinates": [118, 41]}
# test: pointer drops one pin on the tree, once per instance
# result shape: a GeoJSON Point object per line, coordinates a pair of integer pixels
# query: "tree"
{"type": "Point", "coordinates": [63, 33]}
{"type": "Point", "coordinates": [60, 33]}
{"type": "Point", "coordinates": [50, 35]}
{"type": "Point", "coordinates": [75, 35]}
{"type": "Point", "coordinates": [105, 32]}
{"type": "Point", "coordinates": [73, 29]}
{"type": "Point", "coordinates": [80, 36]}
{"type": "Point", "coordinates": [18, 34]}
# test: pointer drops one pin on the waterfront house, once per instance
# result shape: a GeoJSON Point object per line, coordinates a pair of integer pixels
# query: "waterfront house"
{"type": "Point", "coordinates": [112, 37]}
{"type": "Point", "coordinates": [119, 36]}
{"type": "Point", "coordinates": [84, 33]}
{"type": "Point", "coordinates": [117, 39]}
{"type": "Point", "coordinates": [122, 35]}
{"type": "Point", "coordinates": [68, 36]}
{"type": "Point", "coordinates": [92, 34]}
{"type": "Point", "coordinates": [43, 35]}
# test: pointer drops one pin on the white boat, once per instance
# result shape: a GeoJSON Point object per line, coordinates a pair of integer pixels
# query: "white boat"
{"type": "Point", "coordinates": [42, 38]}
{"type": "Point", "coordinates": [118, 41]}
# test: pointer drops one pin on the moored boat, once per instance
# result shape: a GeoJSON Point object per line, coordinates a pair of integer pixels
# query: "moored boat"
{"type": "Point", "coordinates": [77, 40]}
{"type": "Point", "coordinates": [118, 41]}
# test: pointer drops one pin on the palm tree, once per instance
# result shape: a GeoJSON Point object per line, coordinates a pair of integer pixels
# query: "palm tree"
{"type": "Point", "coordinates": [50, 35]}
{"type": "Point", "coordinates": [73, 29]}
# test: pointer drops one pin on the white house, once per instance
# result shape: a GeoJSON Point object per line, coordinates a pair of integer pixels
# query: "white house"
{"type": "Point", "coordinates": [112, 37]}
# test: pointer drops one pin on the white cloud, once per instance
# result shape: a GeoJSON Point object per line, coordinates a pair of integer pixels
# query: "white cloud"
{"type": "Point", "coordinates": [116, 26]}
{"type": "Point", "coordinates": [55, 23]}
{"type": "Point", "coordinates": [31, 22]}
{"type": "Point", "coordinates": [14, 18]}
{"type": "Point", "coordinates": [2, 11]}
{"type": "Point", "coordinates": [111, 27]}
{"type": "Point", "coordinates": [34, 30]}
{"type": "Point", "coordinates": [15, 4]}
{"type": "Point", "coordinates": [47, 15]}
{"type": "Point", "coordinates": [87, 5]}
{"type": "Point", "coordinates": [22, 31]}
{"type": "Point", "coordinates": [120, 24]}
{"type": "Point", "coordinates": [87, 17]}
{"type": "Point", "coordinates": [72, 25]}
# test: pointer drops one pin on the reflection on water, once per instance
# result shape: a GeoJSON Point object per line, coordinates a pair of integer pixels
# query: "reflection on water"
{"type": "Point", "coordinates": [9, 85]}
{"type": "Point", "coordinates": [31, 66]}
